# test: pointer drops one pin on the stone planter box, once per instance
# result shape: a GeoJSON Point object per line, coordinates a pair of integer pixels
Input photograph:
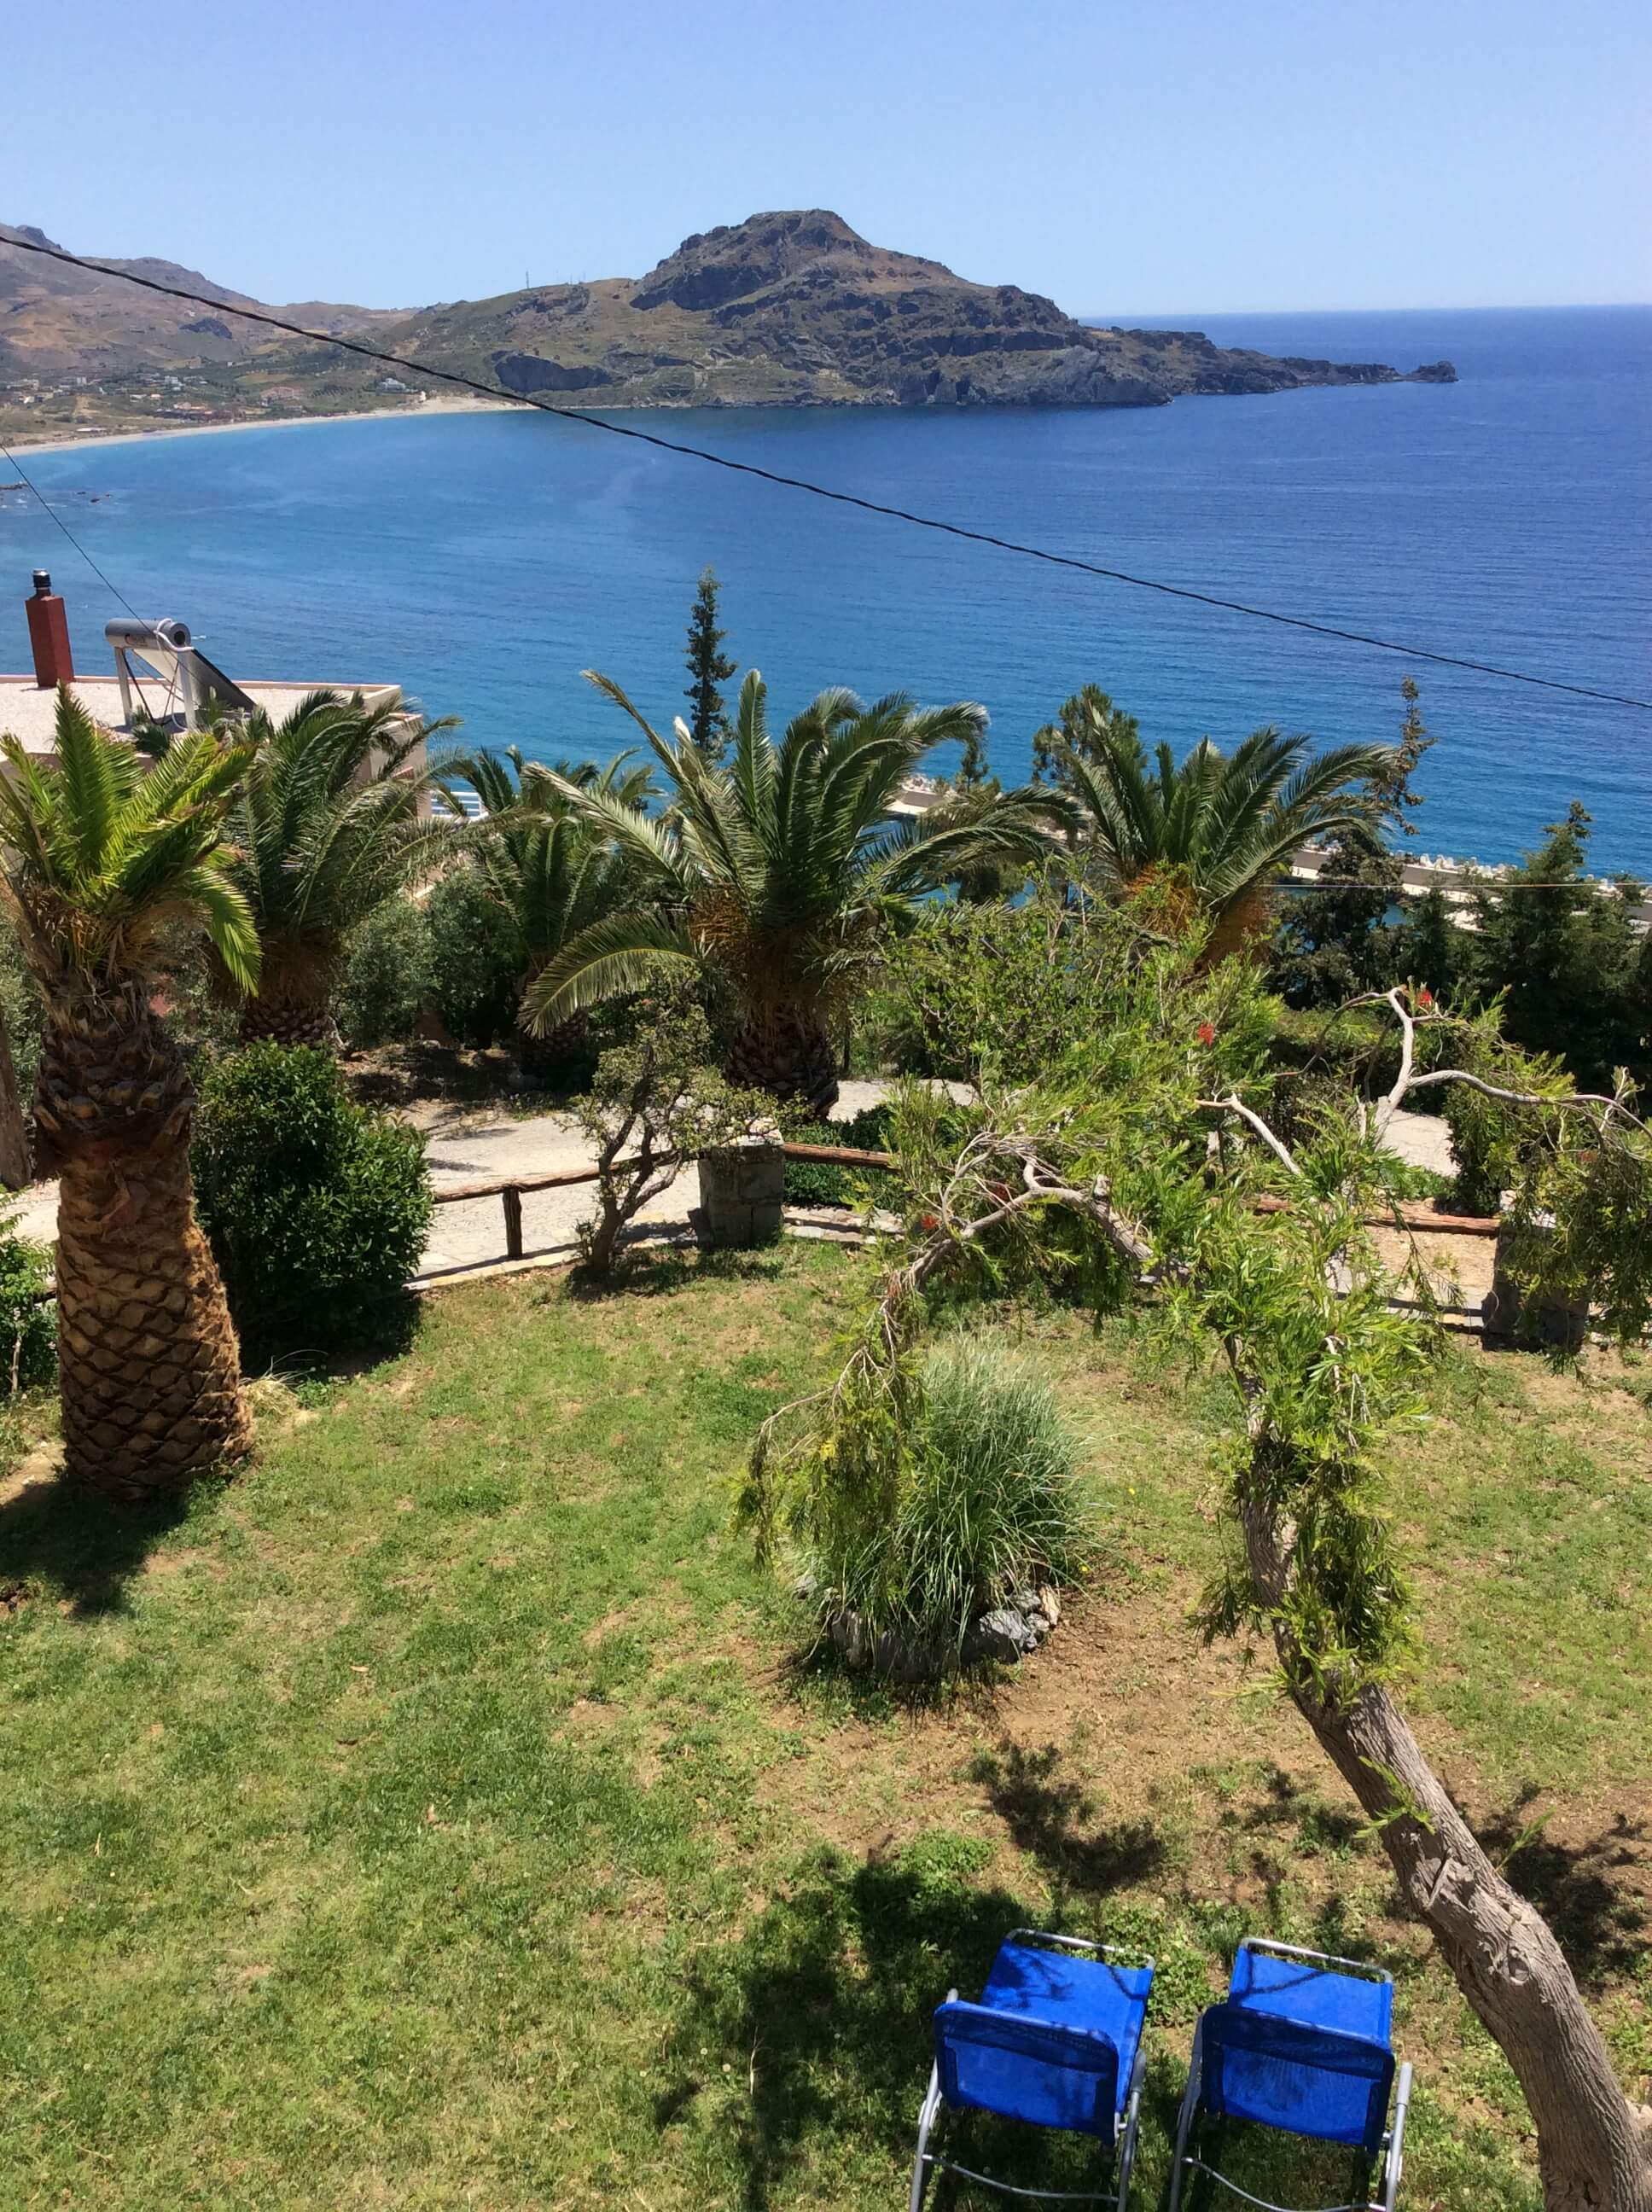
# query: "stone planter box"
{"type": "Point", "coordinates": [742, 1187]}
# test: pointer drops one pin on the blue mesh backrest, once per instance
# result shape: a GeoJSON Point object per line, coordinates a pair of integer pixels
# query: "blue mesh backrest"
{"type": "Point", "coordinates": [1311, 2079]}
{"type": "Point", "coordinates": [1057, 2077]}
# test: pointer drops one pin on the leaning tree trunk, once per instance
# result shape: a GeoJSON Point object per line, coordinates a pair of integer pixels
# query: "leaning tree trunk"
{"type": "Point", "coordinates": [789, 1056]}
{"type": "Point", "coordinates": [272, 1018]}
{"type": "Point", "coordinates": [15, 1170]}
{"type": "Point", "coordinates": [1594, 2147]}
{"type": "Point", "coordinates": [150, 1367]}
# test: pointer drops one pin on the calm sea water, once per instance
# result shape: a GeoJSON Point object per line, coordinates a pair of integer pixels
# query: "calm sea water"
{"type": "Point", "coordinates": [484, 560]}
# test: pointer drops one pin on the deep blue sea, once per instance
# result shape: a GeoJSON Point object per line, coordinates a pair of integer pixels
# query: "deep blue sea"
{"type": "Point", "coordinates": [482, 561]}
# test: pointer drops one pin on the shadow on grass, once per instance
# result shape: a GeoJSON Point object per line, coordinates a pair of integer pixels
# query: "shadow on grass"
{"type": "Point", "coordinates": [656, 1271]}
{"type": "Point", "coordinates": [390, 1331]}
{"type": "Point", "coordinates": [1052, 1817]}
{"type": "Point", "coordinates": [1319, 1827]}
{"type": "Point", "coordinates": [1598, 1917]}
{"type": "Point", "coordinates": [60, 1539]}
{"type": "Point", "coordinates": [821, 2017]}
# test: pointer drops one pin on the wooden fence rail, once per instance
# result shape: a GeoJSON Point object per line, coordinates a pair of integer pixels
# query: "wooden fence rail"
{"type": "Point", "coordinates": [511, 1194]}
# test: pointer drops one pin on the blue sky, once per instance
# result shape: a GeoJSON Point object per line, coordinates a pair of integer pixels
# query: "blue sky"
{"type": "Point", "coordinates": [1141, 157]}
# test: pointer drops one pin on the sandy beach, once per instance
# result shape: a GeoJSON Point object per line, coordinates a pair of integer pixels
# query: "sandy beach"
{"type": "Point", "coordinates": [84, 440]}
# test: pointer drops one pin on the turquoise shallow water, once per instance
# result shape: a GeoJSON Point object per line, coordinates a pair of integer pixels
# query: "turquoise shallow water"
{"type": "Point", "coordinates": [482, 561]}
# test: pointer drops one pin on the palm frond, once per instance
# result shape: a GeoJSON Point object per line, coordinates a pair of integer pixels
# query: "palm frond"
{"type": "Point", "coordinates": [613, 955]}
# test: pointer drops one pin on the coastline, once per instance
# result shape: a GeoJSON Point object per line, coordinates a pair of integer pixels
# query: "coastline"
{"type": "Point", "coordinates": [89, 442]}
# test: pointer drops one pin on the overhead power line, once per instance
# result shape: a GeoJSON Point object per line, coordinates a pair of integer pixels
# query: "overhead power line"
{"type": "Point", "coordinates": [829, 491]}
{"type": "Point", "coordinates": [12, 461]}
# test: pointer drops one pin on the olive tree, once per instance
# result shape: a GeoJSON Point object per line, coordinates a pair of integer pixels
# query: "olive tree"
{"type": "Point", "coordinates": [1109, 1162]}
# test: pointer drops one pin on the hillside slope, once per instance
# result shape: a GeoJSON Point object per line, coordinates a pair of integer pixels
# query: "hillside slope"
{"type": "Point", "coordinates": [785, 309]}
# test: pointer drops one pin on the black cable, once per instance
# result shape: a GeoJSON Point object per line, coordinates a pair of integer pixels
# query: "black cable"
{"type": "Point", "coordinates": [12, 461]}
{"type": "Point", "coordinates": [826, 492]}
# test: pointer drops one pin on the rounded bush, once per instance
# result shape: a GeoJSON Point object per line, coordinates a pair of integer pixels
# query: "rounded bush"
{"type": "Point", "coordinates": [389, 975]}
{"type": "Point", "coordinates": [985, 1505]}
{"type": "Point", "coordinates": [317, 1209]}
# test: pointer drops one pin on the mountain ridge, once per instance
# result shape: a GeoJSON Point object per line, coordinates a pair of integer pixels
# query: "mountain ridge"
{"type": "Point", "coordinates": [792, 307]}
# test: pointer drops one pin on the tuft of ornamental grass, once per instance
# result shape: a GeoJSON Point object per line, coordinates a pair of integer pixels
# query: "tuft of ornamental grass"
{"type": "Point", "coordinates": [988, 1505]}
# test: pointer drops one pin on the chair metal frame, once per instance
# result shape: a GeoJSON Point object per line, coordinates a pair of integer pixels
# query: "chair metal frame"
{"type": "Point", "coordinates": [1125, 2119]}
{"type": "Point", "coordinates": [1391, 2151]}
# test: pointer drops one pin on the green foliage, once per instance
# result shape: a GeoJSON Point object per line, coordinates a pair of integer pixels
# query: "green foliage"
{"type": "Point", "coordinates": [709, 668]}
{"type": "Point", "coordinates": [816, 1183]}
{"type": "Point", "coordinates": [317, 1209]}
{"type": "Point", "coordinates": [1221, 823]}
{"type": "Point", "coordinates": [329, 822]}
{"type": "Point", "coordinates": [1574, 977]}
{"type": "Point", "coordinates": [477, 956]}
{"type": "Point", "coordinates": [782, 873]}
{"type": "Point", "coordinates": [654, 1105]}
{"type": "Point", "coordinates": [21, 1010]}
{"type": "Point", "coordinates": [545, 866]}
{"type": "Point", "coordinates": [1336, 942]}
{"type": "Point", "coordinates": [28, 1319]}
{"type": "Point", "coordinates": [1020, 992]}
{"type": "Point", "coordinates": [1320, 1367]}
{"type": "Point", "coordinates": [104, 854]}
{"type": "Point", "coordinates": [389, 975]}
{"type": "Point", "coordinates": [976, 1499]}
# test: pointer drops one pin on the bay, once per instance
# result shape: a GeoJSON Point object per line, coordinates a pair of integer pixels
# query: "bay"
{"type": "Point", "coordinates": [482, 560]}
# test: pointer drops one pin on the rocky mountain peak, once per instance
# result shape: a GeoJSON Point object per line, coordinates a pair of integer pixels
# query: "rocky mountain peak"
{"type": "Point", "coordinates": [738, 258]}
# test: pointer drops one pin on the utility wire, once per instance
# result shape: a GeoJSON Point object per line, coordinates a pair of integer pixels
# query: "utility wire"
{"type": "Point", "coordinates": [12, 461]}
{"type": "Point", "coordinates": [827, 491]}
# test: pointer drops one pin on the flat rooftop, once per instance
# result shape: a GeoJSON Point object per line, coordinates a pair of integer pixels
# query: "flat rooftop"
{"type": "Point", "coordinates": [27, 713]}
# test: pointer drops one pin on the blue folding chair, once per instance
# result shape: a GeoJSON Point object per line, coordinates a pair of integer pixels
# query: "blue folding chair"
{"type": "Point", "coordinates": [1056, 2039]}
{"type": "Point", "coordinates": [1301, 2044]}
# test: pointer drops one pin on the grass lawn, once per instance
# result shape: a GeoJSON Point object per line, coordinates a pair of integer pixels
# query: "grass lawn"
{"type": "Point", "coordinates": [437, 1817]}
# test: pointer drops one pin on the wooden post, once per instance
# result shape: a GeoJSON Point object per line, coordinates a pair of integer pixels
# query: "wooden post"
{"type": "Point", "coordinates": [512, 1195]}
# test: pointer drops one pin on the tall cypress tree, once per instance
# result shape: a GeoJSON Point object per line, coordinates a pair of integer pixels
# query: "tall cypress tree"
{"type": "Point", "coordinates": [709, 668]}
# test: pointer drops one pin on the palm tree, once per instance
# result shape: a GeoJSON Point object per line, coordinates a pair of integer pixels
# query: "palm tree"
{"type": "Point", "coordinates": [329, 824]}
{"type": "Point", "coordinates": [1220, 824]}
{"type": "Point", "coordinates": [543, 863]}
{"type": "Point", "coordinates": [101, 856]}
{"type": "Point", "coordinates": [780, 873]}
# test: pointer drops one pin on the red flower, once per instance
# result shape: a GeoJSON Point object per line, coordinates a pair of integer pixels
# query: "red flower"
{"type": "Point", "coordinates": [1426, 998]}
{"type": "Point", "coordinates": [1206, 1033]}
{"type": "Point", "coordinates": [929, 1222]}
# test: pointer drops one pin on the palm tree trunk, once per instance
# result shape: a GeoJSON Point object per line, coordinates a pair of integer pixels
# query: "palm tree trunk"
{"type": "Point", "coordinates": [149, 1367]}
{"type": "Point", "coordinates": [541, 1057]}
{"type": "Point", "coordinates": [789, 1056]}
{"type": "Point", "coordinates": [270, 1017]}
{"type": "Point", "coordinates": [1594, 2147]}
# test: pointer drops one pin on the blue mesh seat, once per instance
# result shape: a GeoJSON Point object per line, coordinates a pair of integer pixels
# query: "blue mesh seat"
{"type": "Point", "coordinates": [1301, 2044]}
{"type": "Point", "coordinates": [1055, 2039]}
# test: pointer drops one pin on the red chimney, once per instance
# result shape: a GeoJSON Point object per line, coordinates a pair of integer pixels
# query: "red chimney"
{"type": "Point", "coordinates": [48, 633]}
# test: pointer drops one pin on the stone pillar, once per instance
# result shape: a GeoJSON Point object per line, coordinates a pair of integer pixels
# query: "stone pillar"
{"type": "Point", "coordinates": [741, 1187]}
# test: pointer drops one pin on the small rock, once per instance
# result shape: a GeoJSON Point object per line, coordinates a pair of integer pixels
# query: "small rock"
{"type": "Point", "coordinates": [1049, 1604]}
{"type": "Point", "coordinates": [1002, 1634]}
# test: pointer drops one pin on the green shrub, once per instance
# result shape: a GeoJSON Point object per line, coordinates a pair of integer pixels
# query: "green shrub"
{"type": "Point", "coordinates": [985, 1504]}
{"type": "Point", "coordinates": [814, 1182]}
{"type": "Point", "coordinates": [317, 1209]}
{"type": "Point", "coordinates": [20, 1005]}
{"type": "Point", "coordinates": [28, 1319]}
{"type": "Point", "coordinates": [388, 978]}
{"type": "Point", "coordinates": [477, 960]}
